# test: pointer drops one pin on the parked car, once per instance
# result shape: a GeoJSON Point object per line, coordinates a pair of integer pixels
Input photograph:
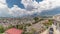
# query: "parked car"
{"type": "Point", "coordinates": [51, 31]}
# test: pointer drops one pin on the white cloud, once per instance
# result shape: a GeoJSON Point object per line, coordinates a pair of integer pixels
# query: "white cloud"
{"type": "Point", "coordinates": [3, 8]}
{"type": "Point", "coordinates": [31, 7]}
{"type": "Point", "coordinates": [45, 4]}
{"type": "Point", "coordinates": [38, 7]}
{"type": "Point", "coordinates": [16, 11]}
{"type": "Point", "coordinates": [3, 3]}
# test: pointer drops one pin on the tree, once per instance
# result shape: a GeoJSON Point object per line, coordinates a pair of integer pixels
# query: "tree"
{"type": "Point", "coordinates": [36, 18]}
{"type": "Point", "coordinates": [1, 29]}
{"type": "Point", "coordinates": [10, 26]}
{"type": "Point", "coordinates": [49, 23]}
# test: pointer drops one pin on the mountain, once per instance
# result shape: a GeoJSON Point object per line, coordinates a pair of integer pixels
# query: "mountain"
{"type": "Point", "coordinates": [51, 12]}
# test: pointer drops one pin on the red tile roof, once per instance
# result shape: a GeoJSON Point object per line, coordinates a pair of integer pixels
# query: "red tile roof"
{"type": "Point", "coordinates": [14, 31]}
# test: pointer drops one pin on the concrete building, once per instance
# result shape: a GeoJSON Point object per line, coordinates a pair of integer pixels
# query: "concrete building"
{"type": "Point", "coordinates": [57, 21]}
{"type": "Point", "coordinates": [56, 17]}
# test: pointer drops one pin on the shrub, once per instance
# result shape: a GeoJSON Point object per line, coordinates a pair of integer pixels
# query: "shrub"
{"type": "Point", "coordinates": [36, 19]}
{"type": "Point", "coordinates": [1, 29]}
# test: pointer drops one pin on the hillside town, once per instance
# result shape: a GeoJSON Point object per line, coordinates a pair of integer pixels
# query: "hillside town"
{"type": "Point", "coordinates": [29, 16]}
{"type": "Point", "coordinates": [36, 25]}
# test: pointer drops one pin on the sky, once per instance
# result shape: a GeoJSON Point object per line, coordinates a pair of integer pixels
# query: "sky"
{"type": "Point", "coordinates": [10, 3]}
{"type": "Point", "coordinates": [20, 8]}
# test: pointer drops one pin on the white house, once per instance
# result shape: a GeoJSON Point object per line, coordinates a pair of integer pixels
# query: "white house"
{"type": "Point", "coordinates": [57, 21]}
{"type": "Point", "coordinates": [57, 17]}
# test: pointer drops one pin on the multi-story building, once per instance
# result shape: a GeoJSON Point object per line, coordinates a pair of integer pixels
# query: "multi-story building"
{"type": "Point", "coordinates": [56, 17]}
{"type": "Point", "coordinates": [57, 21]}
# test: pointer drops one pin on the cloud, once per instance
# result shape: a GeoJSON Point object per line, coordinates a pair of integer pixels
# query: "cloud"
{"type": "Point", "coordinates": [31, 7]}
{"type": "Point", "coordinates": [3, 3]}
{"type": "Point", "coordinates": [3, 8]}
{"type": "Point", "coordinates": [16, 11]}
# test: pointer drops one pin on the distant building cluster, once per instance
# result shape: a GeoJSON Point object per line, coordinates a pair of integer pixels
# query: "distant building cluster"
{"type": "Point", "coordinates": [14, 21]}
